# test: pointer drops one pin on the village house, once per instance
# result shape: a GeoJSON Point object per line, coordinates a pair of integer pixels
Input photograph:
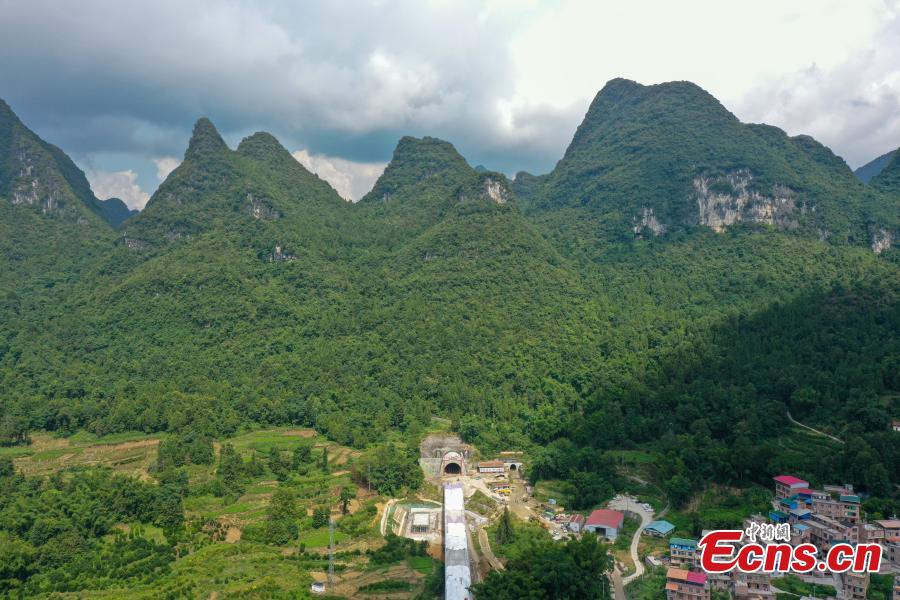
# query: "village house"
{"type": "Point", "coordinates": [659, 528]}
{"type": "Point", "coordinates": [683, 552]}
{"type": "Point", "coordinates": [840, 506]}
{"type": "Point", "coordinates": [605, 522]}
{"type": "Point", "coordinates": [825, 532]}
{"type": "Point", "coordinates": [751, 585]}
{"type": "Point", "coordinates": [799, 534]}
{"type": "Point", "coordinates": [869, 532]}
{"type": "Point", "coordinates": [856, 585]}
{"type": "Point", "coordinates": [891, 554]}
{"type": "Point", "coordinates": [890, 527]}
{"type": "Point", "coordinates": [787, 485]}
{"type": "Point", "coordinates": [895, 425]}
{"type": "Point", "coordinates": [682, 584]}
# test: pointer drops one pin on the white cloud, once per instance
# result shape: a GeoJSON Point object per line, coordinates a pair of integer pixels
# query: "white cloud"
{"type": "Point", "coordinates": [853, 107]}
{"type": "Point", "coordinates": [118, 184]}
{"type": "Point", "coordinates": [351, 179]}
{"type": "Point", "coordinates": [164, 166]}
{"type": "Point", "coordinates": [570, 48]}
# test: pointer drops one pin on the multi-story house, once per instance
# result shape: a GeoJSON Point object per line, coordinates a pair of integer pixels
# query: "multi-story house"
{"type": "Point", "coordinates": [824, 532]}
{"type": "Point", "coordinates": [683, 552]}
{"type": "Point", "coordinates": [855, 585]}
{"type": "Point", "coordinates": [786, 486]}
{"type": "Point", "coordinates": [746, 586]}
{"type": "Point", "coordinates": [841, 507]}
{"type": "Point", "coordinates": [682, 584]}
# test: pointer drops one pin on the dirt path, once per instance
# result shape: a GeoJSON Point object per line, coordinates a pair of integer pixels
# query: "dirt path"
{"type": "Point", "coordinates": [384, 516]}
{"type": "Point", "coordinates": [485, 543]}
{"type": "Point", "coordinates": [807, 427]}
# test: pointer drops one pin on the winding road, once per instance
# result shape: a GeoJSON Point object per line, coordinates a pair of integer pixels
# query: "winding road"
{"type": "Point", "coordinates": [633, 506]}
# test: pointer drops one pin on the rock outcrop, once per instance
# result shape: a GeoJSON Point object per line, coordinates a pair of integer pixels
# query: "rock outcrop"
{"type": "Point", "coordinates": [728, 199]}
{"type": "Point", "coordinates": [647, 222]}
{"type": "Point", "coordinates": [882, 240]}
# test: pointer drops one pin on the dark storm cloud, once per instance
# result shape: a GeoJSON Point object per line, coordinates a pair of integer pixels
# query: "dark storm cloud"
{"type": "Point", "coordinates": [339, 77]}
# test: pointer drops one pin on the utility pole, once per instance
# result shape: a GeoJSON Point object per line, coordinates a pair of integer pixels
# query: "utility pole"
{"type": "Point", "coordinates": [330, 552]}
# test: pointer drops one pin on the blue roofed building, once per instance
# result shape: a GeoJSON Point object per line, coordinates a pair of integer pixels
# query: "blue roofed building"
{"type": "Point", "coordinates": [683, 552]}
{"type": "Point", "coordinates": [659, 528]}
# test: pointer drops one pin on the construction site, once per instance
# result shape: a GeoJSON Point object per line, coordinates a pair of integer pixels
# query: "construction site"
{"type": "Point", "coordinates": [449, 526]}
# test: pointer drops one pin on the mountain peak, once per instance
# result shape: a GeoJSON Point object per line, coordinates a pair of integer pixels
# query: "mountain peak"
{"type": "Point", "coordinates": [8, 118]}
{"type": "Point", "coordinates": [5, 109]}
{"type": "Point", "coordinates": [409, 144]}
{"type": "Point", "coordinates": [205, 139]}
{"type": "Point", "coordinates": [620, 96]}
{"type": "Point", "coordinates": [115, 211]}
{"type": "Point", "coordinates": [889, 178]}
{"type": "Point", "coordinates": [875, 166]}
{"type": "Point", "coordinates": [263, 146]}
{"type": "Point", "coordinates": [429, 156]}
{"type": "Point", "coordinates": [420, 165]}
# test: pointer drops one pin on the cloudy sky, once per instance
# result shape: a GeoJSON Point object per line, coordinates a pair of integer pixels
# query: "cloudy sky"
{"type": "Point", "coordinates": [119, 84]}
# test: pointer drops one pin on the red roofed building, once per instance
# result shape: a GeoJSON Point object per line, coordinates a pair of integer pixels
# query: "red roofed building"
{"type": "Point", "coordinates": [492, 466]}
{"type": "Point", "coordinates": [788, 485]}
{"type": "Point", "coordinates": [605, 522]}
{"type": "Point", "coordinates": [682, 584]}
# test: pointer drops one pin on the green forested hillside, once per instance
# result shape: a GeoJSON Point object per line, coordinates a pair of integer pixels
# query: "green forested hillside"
{"type": "Point", "coordinates": [588, 310]}
{"type": "Point", "coordinates": [648, 160]}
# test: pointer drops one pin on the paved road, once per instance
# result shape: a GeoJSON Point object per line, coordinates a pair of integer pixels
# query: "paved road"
{"type": "Point", "coordinates": [618, 588]}
{"type": "Point", "coordinates": [646, 516]}
{"type": "Point", "coordinates": [791, 419]}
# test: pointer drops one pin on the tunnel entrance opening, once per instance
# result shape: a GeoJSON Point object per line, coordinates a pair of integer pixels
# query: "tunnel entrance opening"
{"type": "Point", "coordinates": [452, 469]}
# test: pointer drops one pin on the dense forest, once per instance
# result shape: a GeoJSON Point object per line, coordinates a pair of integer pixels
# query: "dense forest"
{"type": "Point", "coordinates": [608, 305]}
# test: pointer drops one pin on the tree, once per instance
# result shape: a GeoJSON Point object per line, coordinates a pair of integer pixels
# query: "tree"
{"type": "Point", "coordinates": [281, 518]}
{"type": "Point", "coordinates": [14, 431]}
{"type": "Point", "coordinates": [347, 494]}
{"type": "Point", "coordinates": [320, 516]}
{"type": "Point", "coordinates": [170, 511]}
{"type": "Point", "coordinates": [7, 468]}
{"type": "Point", "coordinates": [277, 464]}
{"type": "Point", "coordinates": [186, 447]}
{"type": "Point", "coordinates": [302, 455]}
{"type": "Point", "coordinates": [576, 569]}
{"type": "Point", "coordinates": [16, 559]}
{"type": "Point", "coordinates": [388, 469]}
{"type": "Point", "coordinates": [324, 462]}
{"type": "Point", "coordinates": [283, 505]}
{"type": "Point", "coordinates": [231, 467]}
{"type": "Point", "coordinates": [505, 533]}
